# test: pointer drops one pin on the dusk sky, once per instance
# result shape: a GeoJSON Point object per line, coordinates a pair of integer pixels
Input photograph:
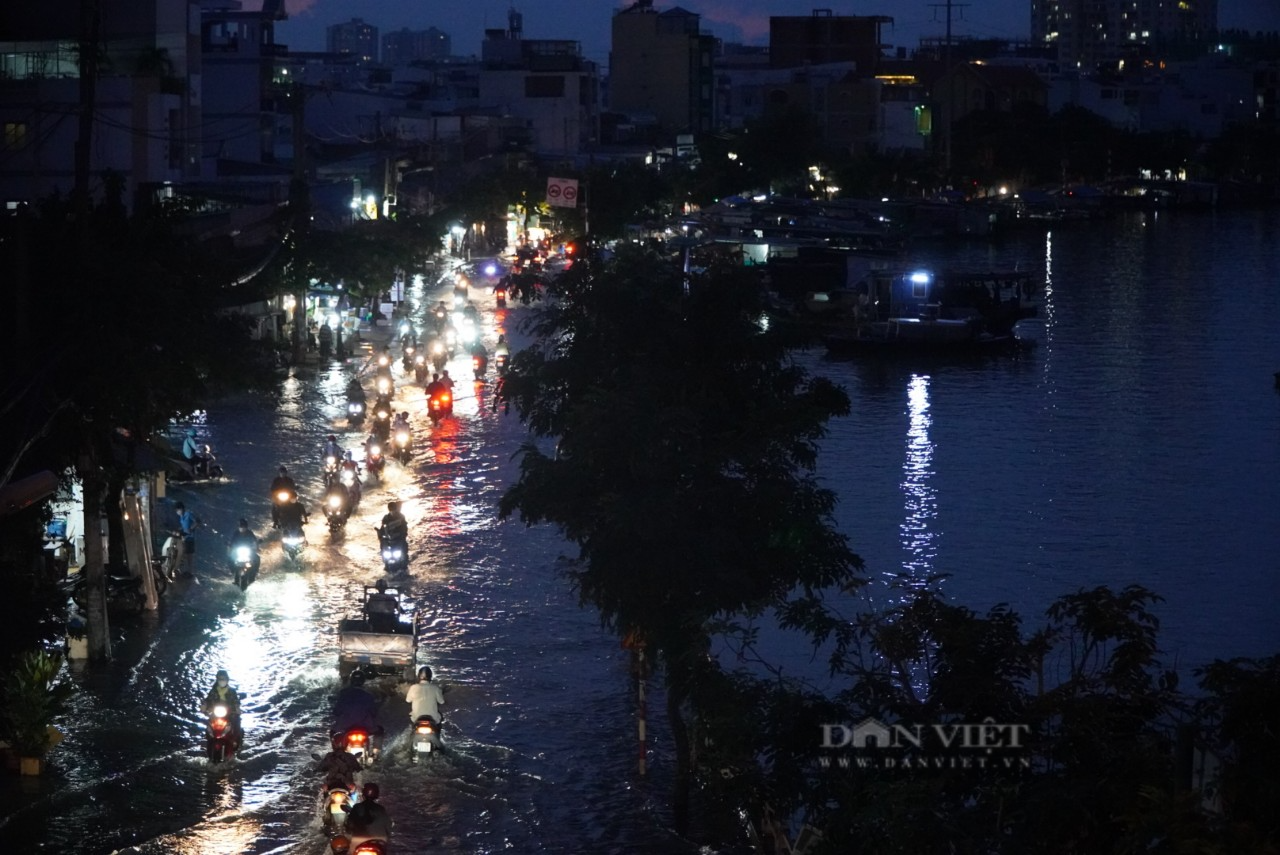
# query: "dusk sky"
{"type": "Point", "coordinates": [587, 21]}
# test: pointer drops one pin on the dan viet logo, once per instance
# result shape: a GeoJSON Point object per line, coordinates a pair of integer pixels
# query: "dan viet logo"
{"type": "Point", "coordinates": [872, 744]}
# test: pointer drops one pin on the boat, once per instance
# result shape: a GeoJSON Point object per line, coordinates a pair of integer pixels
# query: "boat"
{"type": "Point", "coordinates": [952, 312]}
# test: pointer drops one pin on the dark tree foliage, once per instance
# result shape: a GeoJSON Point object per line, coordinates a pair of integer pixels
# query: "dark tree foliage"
{"type": "Point", "coordinates": [686, 441]}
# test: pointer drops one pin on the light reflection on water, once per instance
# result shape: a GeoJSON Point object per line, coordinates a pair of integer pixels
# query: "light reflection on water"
{"type": "Point", "coordinates": [920, 498]}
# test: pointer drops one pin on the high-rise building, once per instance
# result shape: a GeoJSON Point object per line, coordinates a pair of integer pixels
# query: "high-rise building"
{"type": "Point", "coordinates": [1087, 32]}
{"type": "Point", "coordinates": [405, 45]}
{"type": "Point", "coordinates": [805, 40]}
{"type": "Point", "coordinates": [660, 65]}
{"type": "Point", "coordinates": [354, 37]}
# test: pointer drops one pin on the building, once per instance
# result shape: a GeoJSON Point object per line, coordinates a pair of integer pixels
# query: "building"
{"type": "Point", "coordinates": [545, 84]}
{"type": "Point", "coordinates": [147, 105]}
{"type": "Point", "coordinates": [405, 46]}
{"type": "Point", "coordinates": [822, 38]}
{"type": "Point", "coordinates": [1089, 32]}
{"type": "Point", "coordinates": [354, 37]}
{"type": "Point", "coordinates": [660, 65]}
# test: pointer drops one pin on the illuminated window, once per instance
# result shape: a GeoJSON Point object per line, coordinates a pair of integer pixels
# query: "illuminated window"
{"type": "Point", "coordinates": [15, 134]}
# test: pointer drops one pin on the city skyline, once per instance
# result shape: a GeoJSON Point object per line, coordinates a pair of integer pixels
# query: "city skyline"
{"type": "Point", "coordinates": [745, 21]}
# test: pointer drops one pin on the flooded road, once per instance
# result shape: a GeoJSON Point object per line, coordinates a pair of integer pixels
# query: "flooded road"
{"type": "Point", "coordinates": [539, 711]}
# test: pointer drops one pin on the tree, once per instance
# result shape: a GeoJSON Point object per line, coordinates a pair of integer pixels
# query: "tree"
{"type": "Point", "coordinates": [683, 470]}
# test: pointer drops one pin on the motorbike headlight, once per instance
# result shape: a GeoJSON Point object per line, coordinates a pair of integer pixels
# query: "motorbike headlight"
{"type": "Point", "coordinates": [220, 711]}
{"type": "Point", "coordinates": [375, 451]}
{"type": "Point", "coordinates": [402, 437]}
{"type": "Point", "coordinates": [420, 360]}
{"type": "Point", "coordinates": [437, 348]}
{"type": "Point", "coordinates": [243, 554]}
{"type": "Point", "coordinates": [331, 461]}
{"type": "Point", "coordinates": [282, 496]}
{"type": "Point", "coordinates": [293, 540]}
{"type": "Point", "coordinates": [335, 502]}
{"type": "Point", "coordinates": [348, 477]}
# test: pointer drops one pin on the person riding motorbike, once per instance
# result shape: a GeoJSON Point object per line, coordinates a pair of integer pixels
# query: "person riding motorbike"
{"type": "Point", "coordinates": [292, 514]}
{"type": "Point", "coordinates": [501, 349]}
{"type": "Point", "coordinates": [193, 453]}
{"type": "Point", "coordinates": [221, 694]}
{"type": "Point", "coordinates": [355, 392]}
{"type": "Point", "coordinates": [343, 508]}
{"type": "Point", "coordinates": [368, 819]}
{"type": "Point", "coordinates": [282, 483]}
{"type": "Point", "coordinates": [479, 357]}
{"type": "Point", "coordinates": [381, 609]}
{"type": "Point", "coordinates": [338, 766]}
{"type": "Point", "coordinates": [425, 698]}
{"type": "Point", "coordinates": [331, 447]}
{"type": "Point", "coordinates": [394, 528]}
{"type": "Point", "coordinates": [355, 707]}
{"type": "Point", "coordinates": [446, 381]}
{"type": "Point", "coordinates": [244, 537]}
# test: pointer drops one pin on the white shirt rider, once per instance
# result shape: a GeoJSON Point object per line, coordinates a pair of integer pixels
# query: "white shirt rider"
{"type": "Point", "coordinates": [424, 697]}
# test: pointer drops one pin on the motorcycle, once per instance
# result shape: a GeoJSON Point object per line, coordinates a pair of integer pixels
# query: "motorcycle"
{"type": "Point", "coordinates": [221, 739]}
{"type": "Point", "coordinates": [480, 364]}
{"type": "Point", "coordinates": [385, 386]}
{"type": "Point", "coordinates": [426, 737]}
{"type": "Point", "coordinates": [122, 588]}
{"type": "Point", "coordinates": [439, 405]}
{"type": "Point", "coordinates": [500, 362]}
{"type": "Point", "coordinates": [292, 540]}
{"type": "Point", "coordinates": [500, 297]}
{"type": "Point", "coordinates": [330, 468]}
{"type": "Point", "coordinates": [336, 511]}
{"type": "Point", "coordinates": [358, 845]}
{"type": "Point", "coordinates": [350, 479]}
{"type": "Point", "coordinates": [407, 361]}
{"type": "Point", "coordinates": [439, 355]}
{"type": "Point", "coordinates": [400, 443]}
{"type": "Point", "coordinates": [170, 556]}
{"type": "Point", "coordinates": [337, 802]}
{"type": "Point", "coordinates": [355, 411]}
{"type": "Point", "coordinates": [420, 367]}
{"type": "Point", "coordinates": [395, 554]}
{"type": "Point", "coordinates": [382, 420]}
{"type": "Point", "coordinates": [373, 461]}
{"type": "Point", "coordinates": [242, 563]}
{"type": "Point", "coordinates": [279, 500]}
{"type": "Point", "coordinates": [207, 469]}
{"type": "Point", "coordinates": [361, 745]}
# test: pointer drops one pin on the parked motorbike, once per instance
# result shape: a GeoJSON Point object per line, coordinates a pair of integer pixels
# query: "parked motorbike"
{"type": "Point", "coordinates": [170, 556]}
{"type": "Point", "coordinates": [395, 554]}
{"type": "Point", "coordinates": [426, 737]}
{"type": "Point", "coordinates": [439, 405]}
{"type": "Point", "coordinates": [293, 541]}
{"type": "Point", "coordinates": [336, 510]}
{"type": "Point", "coordinates": [221, 739]}
{"type": "Point", "coordinates": [122, 588]}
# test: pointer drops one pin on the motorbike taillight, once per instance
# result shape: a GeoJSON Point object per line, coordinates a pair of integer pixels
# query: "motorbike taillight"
{"type": "Point", "coordinates": [425, 729]}
{"type": "Point", "coordinates": [356, 738]}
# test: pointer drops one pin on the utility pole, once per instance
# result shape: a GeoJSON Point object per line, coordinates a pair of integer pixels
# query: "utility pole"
{"type": "Point", "coordinates": [948, 108]}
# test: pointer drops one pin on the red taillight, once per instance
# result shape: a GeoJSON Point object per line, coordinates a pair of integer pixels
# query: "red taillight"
{"type": "Point", "coordinates": [424, 728]}
{"type": "Point", "coordinates": [357, 738]}
{"type": "Point", "coordinates": [368, 849]}
{"type": "Point", "coordinates": [444, 399]}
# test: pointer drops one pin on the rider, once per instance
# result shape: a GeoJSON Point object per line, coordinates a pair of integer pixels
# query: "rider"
{"type": "Point", "coordinates": [337, 488]}
{"type": "Point", "coordinates": [369, 819]}
{"type": "Point", "coordinates": [331, 448]}
{"type": "Point", "coordinates": [424, 697]}
{"type": "Point", "coordinates": [446, 381]}
{"type": "Point", "coordinates": [435, 387]}
{"type": "Point", "coordinates": [395, 528]}
{"type": "Point", "coordinates": [339, 766]}
{"type": "Point", "coordinates": [281, 483]}
{"type": "Point", "coordinates": [194, 454]}
{"type": "Point", "coordinates": [382, 609]}
{"type": "Point", "coordinates": [501, 349]}
{"type": "Point", "coordinates": [292, 515]}
{"type": "Point", "coordinates": [222, 694]}
{"type": "Point", "coordinates": [355, 707]}
{"type": "Point", "coordinates": [401, 422]}
{"type": "Point", "coordinates": [244, 536]}
{"type": "Point", "coordinates": [355, 392]}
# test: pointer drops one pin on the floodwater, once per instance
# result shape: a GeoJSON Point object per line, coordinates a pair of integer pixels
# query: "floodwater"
{"type": "Point", "coordinates": [1139, 442]}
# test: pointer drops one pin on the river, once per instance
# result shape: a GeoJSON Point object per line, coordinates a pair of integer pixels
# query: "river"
{"type": "Point", "coordinates": [1138, 442]}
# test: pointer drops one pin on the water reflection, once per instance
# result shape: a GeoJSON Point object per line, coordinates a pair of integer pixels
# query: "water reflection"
{"type": "Point", "coordinates": [920, 497]}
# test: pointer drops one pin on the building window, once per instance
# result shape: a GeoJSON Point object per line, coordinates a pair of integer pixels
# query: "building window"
{"type": "Point", "coordinates": [544, 86]}
{"type": "Point", "coordinates": [15, 135]}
